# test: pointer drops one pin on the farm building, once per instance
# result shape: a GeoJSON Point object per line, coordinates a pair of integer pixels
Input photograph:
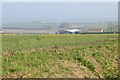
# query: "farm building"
{"type": "Point", "coordinates": [67, 28]}
{"type": "Point", "coordinates": [95, 30]}
{"type": "Point", "coordinates": [78, 31]}
{"type": "Point", "coordinates": [73, 30]}
{"type": "Point", "coordinates": [70, 31]}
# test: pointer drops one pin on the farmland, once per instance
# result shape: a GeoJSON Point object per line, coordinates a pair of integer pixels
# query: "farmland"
{"type": "Point", "coordinates": [54, 55]}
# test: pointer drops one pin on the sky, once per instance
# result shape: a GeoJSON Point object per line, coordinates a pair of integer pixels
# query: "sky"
{"type": "Point", "coordinates": [59, 11]}
{"type": "Point", "coordinates": [59, 0]}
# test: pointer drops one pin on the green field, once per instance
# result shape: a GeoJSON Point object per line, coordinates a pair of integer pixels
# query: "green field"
{"type": "Point", "coordinates": [54, 55]}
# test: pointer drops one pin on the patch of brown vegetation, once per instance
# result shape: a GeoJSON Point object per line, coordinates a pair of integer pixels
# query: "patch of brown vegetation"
{"type": "Point", "coordinates": [6, 53]}
{"type": "Point", "coordinates": [77, 71]}
{"type": "Point", "coordinates": [98, 67]}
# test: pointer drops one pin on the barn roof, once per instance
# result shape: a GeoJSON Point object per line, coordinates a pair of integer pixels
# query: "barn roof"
{"type": "Point", "coordinates": [94, 29]}
{"type": "Point", "coordinates": [73, 30]}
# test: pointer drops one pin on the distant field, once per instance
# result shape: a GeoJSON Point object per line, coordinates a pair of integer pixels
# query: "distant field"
{"type": "Point", "coordinates": [45, 55]}
{"type": "Point", "coordinates": [51, 25]}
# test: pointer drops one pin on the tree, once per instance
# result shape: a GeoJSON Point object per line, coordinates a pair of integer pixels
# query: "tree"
{"type": "Point", "coordinates": [64, 26]}
{"type": "Point", "coordinates": [112, 26]}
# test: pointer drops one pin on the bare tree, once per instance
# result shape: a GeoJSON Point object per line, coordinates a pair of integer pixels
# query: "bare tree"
{"type": "Point", "coordinates": [112, 26]}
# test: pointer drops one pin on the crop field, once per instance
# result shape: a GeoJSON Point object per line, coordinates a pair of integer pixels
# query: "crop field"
{"type": "Point", "coordinates": [65, 56]}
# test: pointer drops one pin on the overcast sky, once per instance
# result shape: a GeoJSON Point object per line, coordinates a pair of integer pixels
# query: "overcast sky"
{"type": "Point", "coordinates": [59, 11]}
{"type": "Point", "coordinates": [60, 0]}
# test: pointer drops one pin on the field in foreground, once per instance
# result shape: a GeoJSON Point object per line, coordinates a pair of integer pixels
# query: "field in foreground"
{"type": "Point", "coordinates": [83, 56]}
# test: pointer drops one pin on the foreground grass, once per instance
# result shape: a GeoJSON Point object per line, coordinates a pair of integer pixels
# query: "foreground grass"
{"type": "Point", "coordinates": [84, 56]}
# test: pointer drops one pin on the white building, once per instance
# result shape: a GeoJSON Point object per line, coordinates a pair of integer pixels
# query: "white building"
{"type": "Point", "coordinates": [70, 31]}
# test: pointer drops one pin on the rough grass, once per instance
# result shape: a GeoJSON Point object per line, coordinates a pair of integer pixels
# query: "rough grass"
{"type": "Point", "coordinates": [83, 56]}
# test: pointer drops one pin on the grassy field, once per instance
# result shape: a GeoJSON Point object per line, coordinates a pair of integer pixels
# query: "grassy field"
{"type": "Point", "coordinates": [82, 55]}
